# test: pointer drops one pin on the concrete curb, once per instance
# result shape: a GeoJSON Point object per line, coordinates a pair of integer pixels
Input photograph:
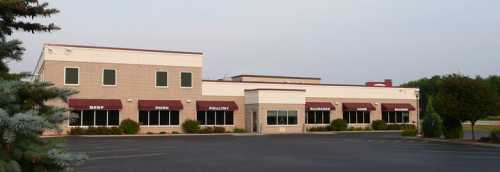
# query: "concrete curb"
{"type": "Point", "coordinates": [158, 135]}
{"type": "Point", "coordinates": [461, 142]}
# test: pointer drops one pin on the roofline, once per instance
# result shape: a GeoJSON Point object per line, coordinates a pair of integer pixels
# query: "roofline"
{"type": "Point", "coordinates": [276, 76]}
{"type": "Point", "coordinates": [274, 89]}
{"type": "Point", "coordinates": [262, 82]}
{"type": "Point", "coordinates": [120, 48]}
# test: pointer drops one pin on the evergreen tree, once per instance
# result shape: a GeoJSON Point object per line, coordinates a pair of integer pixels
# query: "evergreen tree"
{"type": "Point", "coordinates": [24, 116]}
{"type": "Point", "coordinates": [432, 125]}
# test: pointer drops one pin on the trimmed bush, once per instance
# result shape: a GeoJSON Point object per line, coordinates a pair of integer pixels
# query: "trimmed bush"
{"type": "Point", "coordinates": [432, 126]}
{"type": "Point", "coordinates": [162, 132]}
{"type": "Point", "coordinates": [96, 131]}
{"type": "Point", "coordinates": [175, 132]}
{"type": "Point", "coordinates": [219, 130]}
{"type": "Point", "coordinates": [379, 125]}
{"type": "Point", "coordinates": [129, 126]}
{"type": "Point", "coordinates": [239, 130]}
{"type": "Point", "coordinates": [409, 133]}
{"type": "Point", "coordinates": [338, 125]}
{"type": "Point", "coordinates": [495, 135]}
{"type": "Point", "coordinates": [191, 126]}
{"type": "Point", "coordinates": [206, 130]}
{"type": "Point", "coordinates": [318, 128]}
{"type": "Point", "coordinates": [77, 131]}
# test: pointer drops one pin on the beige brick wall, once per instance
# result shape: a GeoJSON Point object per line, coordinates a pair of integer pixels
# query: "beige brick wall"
{"type": "Point", "coordinates": [134, 82]}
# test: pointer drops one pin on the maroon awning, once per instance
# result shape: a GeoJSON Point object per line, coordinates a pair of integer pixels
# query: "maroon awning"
{"type": "Point", "coordinates": [397, 107]}
{"type": "Point", "coordinates": [216, 105]}
{"type": "Point", "coordinates": [358, 107]}
{"type": "Point", "coordinates": [160, 105]}
{"type": "Point", "coordinates": [95, 104]}
{"type": "Point", "coordinates": [319, 106]}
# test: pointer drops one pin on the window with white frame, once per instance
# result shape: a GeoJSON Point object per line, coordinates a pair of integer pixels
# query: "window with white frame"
{"type": "Point", "coordinates": [357, 117]}
{"type": "Point", "coordinates": [158, 118]}
{"type": "Point", "coordinates": [109, 77]}
{"type": "Point", "coordinates": [396, 116]}
{"type": "Point", "coordinates": [71, 76]}
{"type": "Point", "coordinates": [281, 117]}
{"type": "Point", "coordinates": [215, 117]}
{"type": "Point", "coordinates": [318, 117]}
{"type": "Point", "coordinates": [161, 79]}
{"type": "Point", "coordinates": [186, 79]}
{"type": "Point", "coordinates": [95, 118]}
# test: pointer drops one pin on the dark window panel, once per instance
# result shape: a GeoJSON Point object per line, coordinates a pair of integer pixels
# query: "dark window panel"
{"type": "Point", "coordinates": [71, 76]}
{"type": "Point", "coordinates": [210, 117]}
{"type": "Point", "coordinates": [282, 117]}
{"type": "Point", "coordinates": [75, 118]}
{"type": "Point", "coordinates": [186, 79]}
{"type": "Point", "coordinates": [113, 117]}
{"type": "Point", "coordinates": [161, 79]}
{"type": "Point", "coordinates": [229, 118]}
{"type": "Point", "coordinates": [164, 117]}
{"type": "Point", "coordinates": [219, 117]}
{"type": "Point", "coordinates": [143, 117]}
{"type": "Point", "coordinates": [292, 117]}
{"type": "Point", "coordinates": [153, 117]}
{"type": "Point", "coordinates": [272, 117]}
{"type": "Point", "coordinates": [326, 117]}
{"type": "Point", "coordinates": [367, 117]}
{"type": "Point", "coordinates": [109, 77]}
{"type": "Point", "coordinates": [88, 118]}
{"type": "Point", "coordinates": [310, 117]}
{"type": "Point", "coordinates": [201, 117]}
{"type": "Point", "coordinates": [174, 117]}
{"type": "Point", "coordinates": [100, 117]}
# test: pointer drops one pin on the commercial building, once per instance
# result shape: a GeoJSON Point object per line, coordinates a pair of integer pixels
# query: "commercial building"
{"type": "Point", "coordinates": [161, 89]}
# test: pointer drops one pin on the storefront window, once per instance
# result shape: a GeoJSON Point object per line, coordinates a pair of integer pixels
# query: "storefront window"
{"type": "Point", "coordinates": [318, 117]}
{"type": "Point", "coordinates": [95, 118]}
{"type": "Point", "coordinates": [71, 76]}
{"type": "Point", "coordinates": [282, 117]}
{"type": "Point", "coordinates": [159, 118]}
{"type": "Point", "coordinates": [215, 117]}
{"type": "Point", "coordinates": [357, 117]}
{"type": "Point", "coordinates": [109, 77]}
{"type": "Point", "coordinates": [396, 116]}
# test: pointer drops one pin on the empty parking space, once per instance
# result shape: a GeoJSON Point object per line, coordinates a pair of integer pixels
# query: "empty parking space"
{"type": "Point", "coordinates": [344, 152]}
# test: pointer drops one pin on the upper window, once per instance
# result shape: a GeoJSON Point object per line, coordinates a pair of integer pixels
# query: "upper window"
{"type": "Point", "coordinates": [109, 77]}
{"type": "Point", "coordinates": [71, 76]}
{"type": "Point", "coordinates": [161, 79]}
{"type": "Point", "coordinates": [186, 79]}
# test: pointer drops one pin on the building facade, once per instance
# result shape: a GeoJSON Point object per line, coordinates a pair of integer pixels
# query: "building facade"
{"type": "Point", "coordinates": [161, 89]}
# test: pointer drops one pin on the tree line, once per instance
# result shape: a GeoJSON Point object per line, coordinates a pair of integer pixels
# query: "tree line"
{"type": "Point", "coordinates": [458, 98]}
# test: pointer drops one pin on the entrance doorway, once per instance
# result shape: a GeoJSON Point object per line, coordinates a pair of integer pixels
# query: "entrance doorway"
{"type": "Point", "coordinates": [254, 122]}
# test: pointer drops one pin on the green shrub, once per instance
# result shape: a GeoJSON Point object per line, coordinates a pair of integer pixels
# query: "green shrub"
{"type": "Point", "coordinates": [239, 130]}
{"type": "Point", "coordinates": [191, 126]}
{"type": "Point", "coordinates": [149, 132]}
{"type": "Point", "coordinates": [91, 131]}
{"type": "Point", "coordinates": [409, 133]}
{"type": "Point", "coordinates": [175, 132]}
{"type": "Point", "coordinates": [129, 126]}
{"type": "Point", "coordinates": [162, 132]}
{"type": "Point", "coordinates": [350, 129]}
{"type": "Point", "coordinates": [219, 130]}
{"type": "Point", "coordinates": [368, 128]}
{"type": "Point", "coordinates": [453, 129]}
{"type": "Point", "coordinates": [77, 131]}
{"type": "Point", "coordinates": [495, 135]}
{"type": "Point", "coordinates": [379, 125]}
{"type": "Point", "coordinates": [432, 126]}
{"type": "Point", "coordinates": [338, 125]}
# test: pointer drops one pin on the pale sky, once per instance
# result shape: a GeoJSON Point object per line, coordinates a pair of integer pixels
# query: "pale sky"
{"type": "Point", "coordinates": [341, 41]}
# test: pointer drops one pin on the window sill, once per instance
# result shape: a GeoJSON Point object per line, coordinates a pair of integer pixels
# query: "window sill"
{"type": "Point", "coordinates": [217, 125]}
{"type": "Point", "coordinates": [160, 126]}
{"type": "Point", "coordinates": [295, 125]}
{"type": "Point", "coordinates": [94, 126]}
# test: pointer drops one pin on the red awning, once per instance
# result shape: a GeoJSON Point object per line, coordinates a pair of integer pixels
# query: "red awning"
{"type": "Point", "coordinates": [95, 104]}
{"type": "Point", "coordinates": [319, 106]}
{"type": "Point", "coordinates": [358, 107]}
{"type": "Point", "coordinates": [160, 105]}
{"type": "Point", "coordinates": [397, 107]}
{"type": "Point", "coordinates": [216, 105]}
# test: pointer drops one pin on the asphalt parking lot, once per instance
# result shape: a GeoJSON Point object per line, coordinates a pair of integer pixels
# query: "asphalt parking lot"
{"type": "Point", "coordinates": [339, 152]}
